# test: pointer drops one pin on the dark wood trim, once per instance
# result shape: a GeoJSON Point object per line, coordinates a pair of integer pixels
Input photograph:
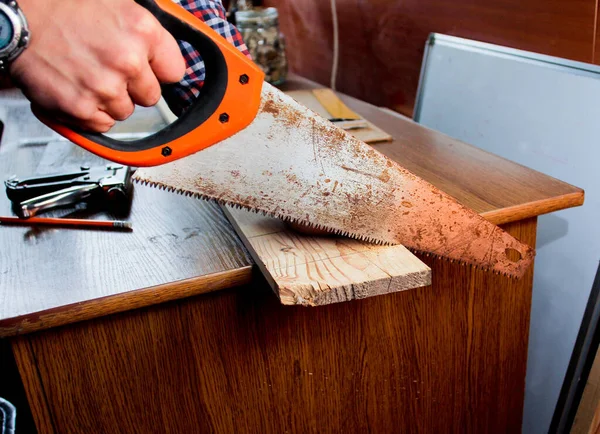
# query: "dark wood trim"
{"type": "Point", "coordinates": [33, 385]}
{"type": "Point", "coordinates": [533, 209]}
{"type": "Point", "coordinates": [126, 301]}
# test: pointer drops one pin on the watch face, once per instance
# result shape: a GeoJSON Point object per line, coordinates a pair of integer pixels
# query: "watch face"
{"type": "Point", "coordinates": [6, 30]}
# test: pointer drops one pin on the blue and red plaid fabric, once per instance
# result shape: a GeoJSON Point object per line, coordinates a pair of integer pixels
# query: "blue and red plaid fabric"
{"type": "Point", "coordinates": [212, 12]}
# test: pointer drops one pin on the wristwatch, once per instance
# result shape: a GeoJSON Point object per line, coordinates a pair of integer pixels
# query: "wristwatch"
{"type": "Point", "coordinates": [14, 33]}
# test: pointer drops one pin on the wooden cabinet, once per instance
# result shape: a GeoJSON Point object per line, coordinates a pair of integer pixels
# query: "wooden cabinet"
{"type": "Point", "coordinates": [450, 357]}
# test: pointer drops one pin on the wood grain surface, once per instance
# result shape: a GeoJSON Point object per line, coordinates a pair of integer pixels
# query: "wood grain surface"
{"type": "Point", "coordinates": [121, 302]}
{"type": "Point", "coordinates": [382, 42]}
{"type": "Point", "coordinates": [181, 242]}
{"type": "Point", "coordinates": [447, 358]}
{"type": "Point", "coordinates": [310, 270]}
{"type": "Point", "coordinates": [32, 382]}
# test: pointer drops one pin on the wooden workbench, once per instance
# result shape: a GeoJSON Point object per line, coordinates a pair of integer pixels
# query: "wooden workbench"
{"type": "Point", "coordinates": [171, 329]}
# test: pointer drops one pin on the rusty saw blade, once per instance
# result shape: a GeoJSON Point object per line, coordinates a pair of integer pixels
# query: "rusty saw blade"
{"type": "Point", "coordinates": [295, 165]}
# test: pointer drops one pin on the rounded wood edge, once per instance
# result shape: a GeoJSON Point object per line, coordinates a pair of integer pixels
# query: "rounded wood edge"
{"type": "Point", "coordinates": [534, 209]}
{"type": "Point", "coordinates": [124, 302]}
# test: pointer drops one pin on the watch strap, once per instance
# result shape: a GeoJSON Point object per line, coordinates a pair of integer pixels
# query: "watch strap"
{"type": "Point", "coordinates": [22, 36]}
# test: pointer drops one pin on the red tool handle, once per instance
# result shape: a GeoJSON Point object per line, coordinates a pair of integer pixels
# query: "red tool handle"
{"type": "Point", "coordinates": [229, 101]}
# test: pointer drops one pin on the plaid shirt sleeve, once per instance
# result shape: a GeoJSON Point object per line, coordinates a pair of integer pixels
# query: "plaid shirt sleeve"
{"type": "Point", "coordinates": [180, 95]}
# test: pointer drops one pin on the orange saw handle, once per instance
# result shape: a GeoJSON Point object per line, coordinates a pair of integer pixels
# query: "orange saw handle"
{"type": "Point", "coordinates": [228, 103]}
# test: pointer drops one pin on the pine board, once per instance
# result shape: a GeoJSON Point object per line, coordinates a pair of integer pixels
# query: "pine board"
{"type": "Point", "coordinates": [325, 103]}
{"type": "Point", "coordinates": [334, 106]}
{"type": "Point", "coordinates": [314, 271]}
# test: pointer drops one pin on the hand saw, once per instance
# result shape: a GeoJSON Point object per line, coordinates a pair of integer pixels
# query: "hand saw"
{"type": "Point", "coordinates": [249, 145]}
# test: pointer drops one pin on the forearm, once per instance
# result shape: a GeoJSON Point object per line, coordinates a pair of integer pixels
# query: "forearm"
{"type": "Point", "coordinates": [89, 62]}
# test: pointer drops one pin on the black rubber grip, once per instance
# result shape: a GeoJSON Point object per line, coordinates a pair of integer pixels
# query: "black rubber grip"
{"type": "Point", "coordinates": [213, 91]}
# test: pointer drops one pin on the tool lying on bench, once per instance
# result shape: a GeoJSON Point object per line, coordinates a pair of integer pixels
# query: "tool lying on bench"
{"type": "Point", "coordinates": [105, 187]}
{"type": "Point", "coordinates": [247, 144]}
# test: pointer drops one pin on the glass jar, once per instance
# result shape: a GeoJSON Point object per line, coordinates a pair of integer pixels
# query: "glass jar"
{"type": "Point", "coordinates": [260, 30]}
{"type": "Point", "coordinates": [239, 5]}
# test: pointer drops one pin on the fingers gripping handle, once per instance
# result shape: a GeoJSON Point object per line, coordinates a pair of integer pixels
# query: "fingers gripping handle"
{"type": "Point", "coordinates": [229, 100]}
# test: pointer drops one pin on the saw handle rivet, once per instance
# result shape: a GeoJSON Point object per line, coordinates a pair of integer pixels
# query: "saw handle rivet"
{"type": "Point", "coordinates": [223, 118]}
{"type": "Point", "coordinates": [166, 151]}
{"type": "Point", "coordinates": [244, 79]}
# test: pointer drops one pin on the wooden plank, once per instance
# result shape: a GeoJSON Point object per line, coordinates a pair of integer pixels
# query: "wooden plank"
{"type": "Point", "coordinates": [313, 271]}
{"type": "Point", "coordinates": [334, 106]}
{"type": "Point", "coordinates": [326, 103]}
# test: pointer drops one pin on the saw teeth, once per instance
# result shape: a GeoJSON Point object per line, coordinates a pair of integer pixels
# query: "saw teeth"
{"type": "Point", "coordinates": [337, 232]}
{"type": "Point", "coordinates": [285, 218]}
{"type": "Point", "coordinates": [462, 263]}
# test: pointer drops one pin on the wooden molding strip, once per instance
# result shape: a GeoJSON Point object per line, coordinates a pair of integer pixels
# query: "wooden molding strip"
{"type": "Point", "coordinates": [534, 209]}
{"type": "Point", "coordinates": [125, 301]}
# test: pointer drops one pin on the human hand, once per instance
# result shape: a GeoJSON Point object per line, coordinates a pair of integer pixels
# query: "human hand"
{"type": "Point", "coordinates": [90, 61]}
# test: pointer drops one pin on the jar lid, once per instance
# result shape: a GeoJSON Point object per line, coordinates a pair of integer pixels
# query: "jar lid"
{"type": "Point", "coordinates": [256, 16]}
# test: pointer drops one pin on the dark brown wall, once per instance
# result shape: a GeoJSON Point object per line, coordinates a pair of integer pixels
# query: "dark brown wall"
{"type": "Point", "coordinates": [382, 41]}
